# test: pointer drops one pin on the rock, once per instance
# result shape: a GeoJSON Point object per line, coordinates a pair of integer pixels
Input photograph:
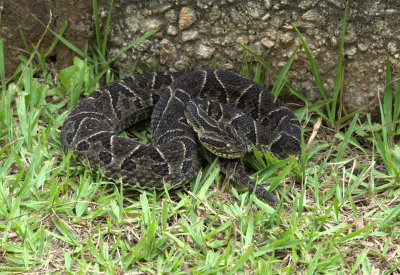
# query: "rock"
{"type": "Point", "coordinates": [168, 51]}
{"type": "Point", "coordinates": [189, 35]}
{"type": "Point", "coordinates": [392, 47]}
{"type": "Point", "coordinates": [313, 15]}
{"type": "Point", "coordinates": [204, 52]}
{"type": "Point", "coordinates": [153, 24]}
{"type": "Point", "coordinates": [186, 18]}
{"type": "Point", "coordinates": [267, 43]}
{"type": "Point", "coordinates": [172, 30]}
{"type": "Point", "coordinates": [171, 16]}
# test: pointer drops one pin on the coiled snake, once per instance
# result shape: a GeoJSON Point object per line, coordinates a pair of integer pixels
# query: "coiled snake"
{"type": "Point", "coordinates": [222, 110]}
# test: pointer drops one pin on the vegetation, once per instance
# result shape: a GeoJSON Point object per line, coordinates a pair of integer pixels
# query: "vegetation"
{"type": "Point", "coordinates": [340, 198]}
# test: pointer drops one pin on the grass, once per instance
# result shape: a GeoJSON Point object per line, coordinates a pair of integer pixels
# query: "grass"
{"type": "Point", "coordinates": [341, 196]}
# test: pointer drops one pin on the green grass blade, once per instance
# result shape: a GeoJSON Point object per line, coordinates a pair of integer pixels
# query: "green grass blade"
{"type": "Point", "coordinates": [55, 41]}
{"type": "Point", "coordinates": [356, 234]}
{"type": "Point", "coordinates": [97, 24]}
{"type": "Point", "coordinates": [69, 44]}
{"type": "Point", "coordinates": [151, 233]}
{"type": "Point", "coordinates": [347, 117]}
{"type": "Point", "coordinates": [280, 81]}
{"type": "Point", "coordinates": [395, 267]}
{"type": "Point", "coordinates": [281, 176]}
{"type": "Point", "coordinates": [195, 236]}
{"type": "Point", "coordinates": [144, 202]}
{"type": "Point", "coordinates": [107, 29]}
{"type": "Point", "coordinates": [392, 217]}
{"type": "Point", "coordinates": [274, 72]}
{"type": "Point", "coordinates": [387, 95]}
{"type": "Point", "coordinates": [314, 67]}
{"type": "Point", "coordinates": [352, 141]}
{"type": "Point", "coordinates": [249, 233]}
{"type": "Point", "coordinates": [23, 119]}
{"type": "Point", "coordinates": [140, 39]}
{"type": "Point", "coordinates": [360, 259]}
{"type": "Point", "coordinates": [209, 180]}
{"type": "Point", "coordinates": [314, 107]}
{"type": "Point", "coordinates": [346, 139]}
{"type": "Point", "coordinates": [239, 264]}
{"type": "Point", "coordinates": [246, 64]}
{"type": "Point", "coordinates": [396, 111]}
{"type": "Point", "coordinates": [339, 78]}
{"type": "Point", "coordinates": [24, 41]}
{"type": "Point", "coordinates": [68, 236]}
{"type": "Point", "coordinates": [292, 90]}
{"type": "Point", "coordinates": [385, 155]}
{"type": "Point", "coordinates": [259, 59]}
{"type": "Point", "coordinates": [164, 216]}
{"type": "Point", "coordinates": [2, 69]}
{"type": "Point", "coordinates": [259, 76]}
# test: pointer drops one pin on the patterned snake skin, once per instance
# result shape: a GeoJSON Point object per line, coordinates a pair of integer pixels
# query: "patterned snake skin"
{"type": "Point", "coordinates": [223, 111]}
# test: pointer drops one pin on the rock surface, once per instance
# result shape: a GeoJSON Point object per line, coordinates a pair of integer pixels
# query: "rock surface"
{"type": "Point", "coordinates": [30, 17]}
{"type": "Point", "coordinates": [196, 34]}
{"type": "Point", "coordinates": [204, 33]}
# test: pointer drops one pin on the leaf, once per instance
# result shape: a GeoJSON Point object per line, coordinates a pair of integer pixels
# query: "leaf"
{"type": "Point", "coordinates": [71, 76]}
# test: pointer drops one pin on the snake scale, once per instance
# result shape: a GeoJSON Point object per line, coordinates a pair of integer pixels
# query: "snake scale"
{"type": "Point", "coordinates": [223, 111]}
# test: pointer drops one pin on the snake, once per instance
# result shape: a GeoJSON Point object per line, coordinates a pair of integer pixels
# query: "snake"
{"type": "Point", "coordinates": [220, 110]}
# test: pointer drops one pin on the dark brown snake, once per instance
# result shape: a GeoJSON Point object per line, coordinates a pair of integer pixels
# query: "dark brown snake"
{"type": "Point", "coordinates": [222, 110]}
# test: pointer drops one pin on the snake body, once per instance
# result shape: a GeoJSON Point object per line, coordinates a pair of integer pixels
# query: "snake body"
{"type": "Point", "coordinates": [184, 108]}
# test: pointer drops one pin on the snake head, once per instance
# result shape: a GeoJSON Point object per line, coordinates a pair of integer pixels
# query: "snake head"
{"type": "Point", "coordinates": [225, 142]}
{"type": "Point", "coordinates": [219, 138]}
